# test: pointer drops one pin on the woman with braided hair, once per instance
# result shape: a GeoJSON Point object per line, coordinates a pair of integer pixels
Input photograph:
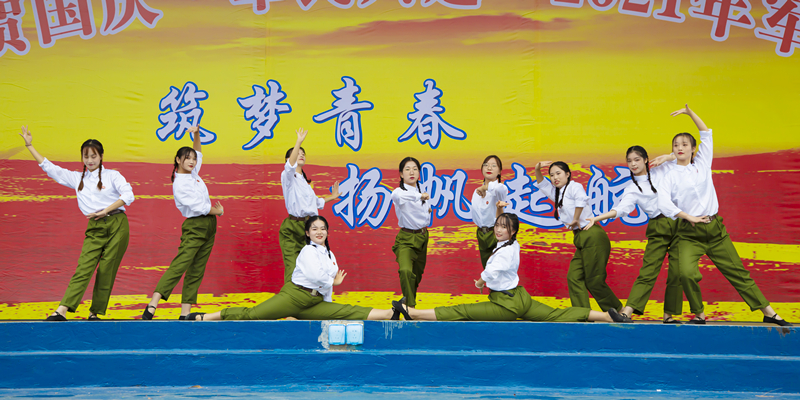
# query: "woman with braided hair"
{"type": "Point", "coordinates": [483, 205]}
{"type": "Point", "coordinates": [413, 215]}
{"type": "Point", "coordinates": [661, 233]}
{"type": "Point", "coordinates": [102, 196]}
{"type": "Point", "coordinates": [507, 300]}
{"type": "Point", "coordinates": [301, 204]}
{"type": "Point", "coordinates": [587, 270]}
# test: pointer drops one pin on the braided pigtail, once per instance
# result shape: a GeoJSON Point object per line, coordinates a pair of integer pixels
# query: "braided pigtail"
{"type": "Point", "coordinates": [420, 190]}
{"type": "Point", "coordinates": [80, 187]}
{"type": "Point", "coordinates": [100, 176]}
{"type": "Point", "coordinates": [558, 190]}
{"type": "Point", "coordinates": [327, 246]}
{"type": "Point", "coordinates": [305, 177]}
{"type": "Point", "coordinates": [564, 167]}
{"type": "Point", "coordinates": [649, 180]}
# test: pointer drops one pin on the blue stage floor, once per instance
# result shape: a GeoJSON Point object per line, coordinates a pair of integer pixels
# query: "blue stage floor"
{"type": "Point", "coordinates": [372, 393]}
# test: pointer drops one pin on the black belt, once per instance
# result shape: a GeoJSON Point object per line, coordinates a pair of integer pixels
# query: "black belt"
{"type": "Point", "coordinates": [485, 229]}
{"type": "Point", "coordinates": [293, 218]}
{"type": "Point", "coordinates": [114, 212]}
{"type": "Point", "coordinates": [314, 292]}
{"type": "Point", "coordinates": [659, 216]}
{"type": "Point", "coordinates": [713, 217]}
{"type": "Point", "coordinates": [414, 231]}
{"type": "Point", "coordinates": [505, 292]}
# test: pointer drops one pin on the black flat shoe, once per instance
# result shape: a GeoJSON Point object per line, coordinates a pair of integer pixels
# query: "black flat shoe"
{"type": "Point", "coordinates": [617, 317]}
{"type": "Point", "coordinates": [772, 320]}
{"type": "Point", "coordinates": [396, 305]}
{"type": "Point", "coordinates": [671, 320]}
{"type": "Point", "coordinates": [93, 317]}
{"type": "Point", "coordinates": [696, 321]}
{"type": "Point", "coordinates": [147, 315]}
{"type": "Point", "coordinates": [182, 318]}
{"type": "Point", "coordinates": [56, 317]}
{"type": "Point", "coordinates": [193, 316]}
{"type": "Point", "coordinates": [396, 312]}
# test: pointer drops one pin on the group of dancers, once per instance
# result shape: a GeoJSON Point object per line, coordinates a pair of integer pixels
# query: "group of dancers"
{"type": "Point", "coordinates": [676, 192]}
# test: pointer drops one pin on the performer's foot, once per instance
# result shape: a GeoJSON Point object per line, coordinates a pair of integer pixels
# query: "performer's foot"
{"type": "Point", "coordinates": [697, 321]}
{"type": "Point", "coordinates": [617, 317]}
{"type": "Point", "coordinates": [398, 306]}
{"type": "Point", "coordinates": [670, 320]}
{"type": "Point", "coordinates": [147, 315]}
{"type": "Point", "coordinates": [194, 316]}
{"type": "Point", "coordinates": [773, 320]}
{"type": "Point", "coordinates": [56, 317]}
{"type": "Point", "coordinates": [93, 317]}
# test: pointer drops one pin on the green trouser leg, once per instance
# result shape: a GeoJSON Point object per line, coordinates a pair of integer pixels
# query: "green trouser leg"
{"type": "Point", "coordinates": [661, 237]}
{"type": "Point", "coordinates": [197, 240]}
{"type": "Point", "coordinates": [487, 241]}
{"type": "Point", "coordinates": [500, 307]}
{"type": "Point", "coordinates": [328, 310]}
{"type": "Point", "coordinates": [712, 239]}
{"type": "Point", "coordinates": [587, 270]}
{"type": "Point", "coordinates": [542, 312]}
{"type": "Point", "coordinates": [103, 248]}
{"type": "Point", "coordinates": [290, 301]}
{"type": "Point", "coordinates": [292, 239]}
{"type": "Point", "coordinates": [411, 251]}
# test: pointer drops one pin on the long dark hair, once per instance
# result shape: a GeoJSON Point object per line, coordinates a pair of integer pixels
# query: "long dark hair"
{"type": "Point", "coordinates": [182, 154]}
{"type": "Point", "coordinates": [308, 228]}
{"type": "Point", "coordinates": [511, 223]}
{"type": "Point", "coordinates": [403, 165]}
{"type": "Point", "coordinates": [289, 154]}
{"type": "Point", "coordinates": [692, 140]}
{"type": "Point", "coordinates": [499, 164]}
{"type": "Point", "coordinates": [642, 153]}
{"type": "Point", "coordinates": [564, 167]}
{"type": "Point", "coordinates": [98, 148]}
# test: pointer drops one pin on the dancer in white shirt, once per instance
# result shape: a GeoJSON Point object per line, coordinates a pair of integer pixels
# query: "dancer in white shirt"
{"type": "Point", "coordinates": [688, 192]}
{"type": "Point", "coordinates": [507, 299]}
{"type": "Point", "coordinates": [301, 203]}
{"type": "Point", "coordinates": [197, 232]}
{"type": "Point", "coordinates": [102, 196]}
{"type": "Point", "coordinates": [483, 205]}
{"type": "Point", "coordinates": [309, 295]}
{"type": "Point", "coordinates": [587, 270]}
{"type": "Point", "coordinates": [413, 216]}
{"type": "Point", "coordinates": [661, 233]}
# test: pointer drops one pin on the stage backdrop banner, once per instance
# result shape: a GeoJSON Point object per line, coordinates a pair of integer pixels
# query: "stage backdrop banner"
{"type": "Point", "coordinates": [446, 81]}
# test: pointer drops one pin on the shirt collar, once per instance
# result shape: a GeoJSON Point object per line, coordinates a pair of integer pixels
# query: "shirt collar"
{"type": "Point", "coordinates": [500, 244]}
{"type": "Point", "coordinates": [320, 249]}
{"type": "Point", "coordinates": [95, 172]}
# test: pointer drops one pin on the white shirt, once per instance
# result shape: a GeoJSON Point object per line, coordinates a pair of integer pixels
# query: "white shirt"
{"type": "Point", "coordinates": [190, 192]}
{"type": "Point", "coordinates": [501, 269]}
{"type": "Point", "coordinates": [298, 194]}
{"type": "Point", "coordinates": [690, 188]}
{"type": "Point", "coordinates": [484, 209]}
{"type": "Point", "coordinates": [411, 213]}
{"type": "Point", "coordinates": [574, 197]}
{"type": "Point", "coordinates": [646, 199]}
{"type": "Point", "coordinates": [314, 270]}
{"type": "Point", "coordinates": [91, 200]}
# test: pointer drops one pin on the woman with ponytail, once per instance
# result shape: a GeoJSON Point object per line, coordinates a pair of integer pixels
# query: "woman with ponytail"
{"type": "Point", "coordinates": [483, 205]}
{"type": "Point", "coordinates": [687, 192]}
{"type": "Point", "coordinates": [413, 215]}
{"type": "Point", "coordinates": [587, 270]}
{"type": "Point", "coordinates": [507, 300]}
{"type": "Point", "coordinates": [661, 233]}
{"type": "Point", "coordinates": [198, 231]}
{"type": "Point", "coordinates": [309, 294]}
{"type": "Point", "coordinates": [102, 196]}
{"type": "Point", "coordinates": [301, 204]}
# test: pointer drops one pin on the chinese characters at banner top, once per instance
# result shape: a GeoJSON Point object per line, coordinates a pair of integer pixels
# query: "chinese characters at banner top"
{"type": "Point", "coordinates": [261, 7]}
{"type": "Point", "coordinates": [365, 200]}
{"type": "Point", "coordinates": [264, 109]}
{"type": "Point", "coordinates": [61, 19]}
{"type": "Point", "coordinates": [346, 109]}
{"type": "Point", "coordinates": [426, 123]}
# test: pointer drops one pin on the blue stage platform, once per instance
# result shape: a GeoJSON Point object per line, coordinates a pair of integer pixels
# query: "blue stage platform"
{"type": "Point", "coordinates": [563, 356]}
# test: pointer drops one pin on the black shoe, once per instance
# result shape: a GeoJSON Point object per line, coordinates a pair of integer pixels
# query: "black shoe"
{"type": "Point", "coordinates": [772, 320]}
{"type": "Point", "coordinates": [56, 317]}
{"type": "Point", "coordinates": [396, 305]}
{"type": "Point", "coordinates": [94, 317]}
{"type": "Point", "coordinates": [617, 317]}
{"type": "Point", "coordinates": [193, 316]}
{"type": "Point", "coordinates": [182, 318]}
{"type": "Point", "coordinates": [147, 315]}
{"type": "Point", "coordinates": [696, 321]}
{"type": "Point", "coordinates": [396, 312]}
{"type": "Point", "coordinates": [670, 320]}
